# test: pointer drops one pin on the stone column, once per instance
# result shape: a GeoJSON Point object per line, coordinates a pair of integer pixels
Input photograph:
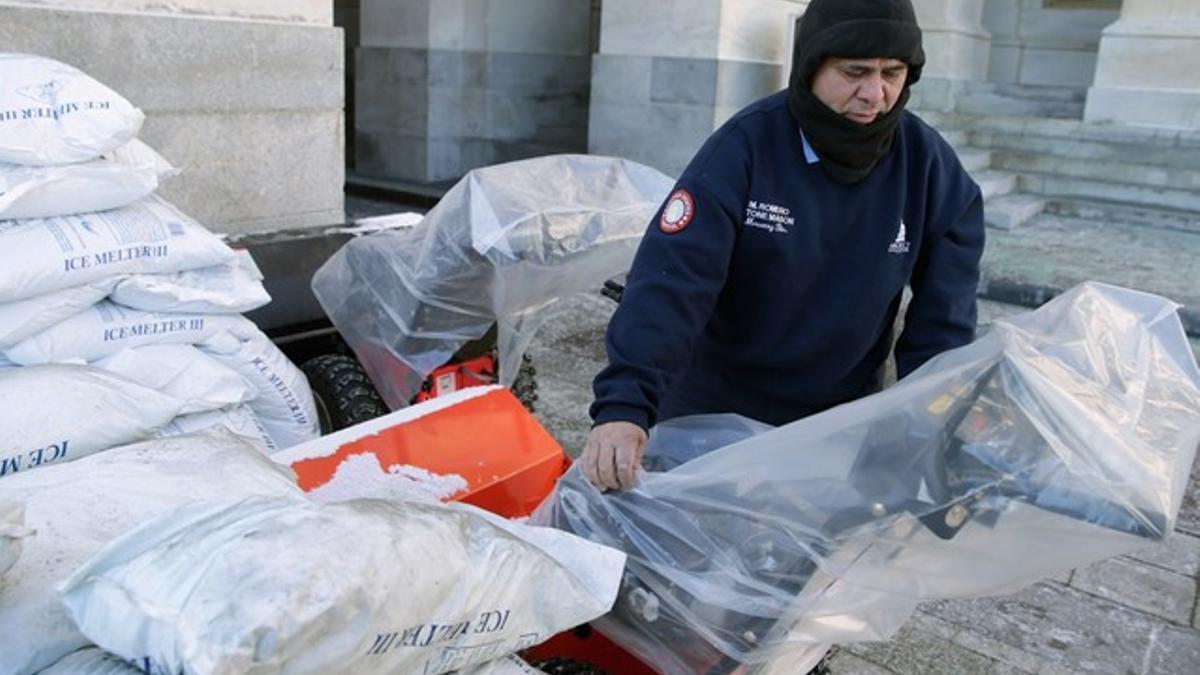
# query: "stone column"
{"type": "Point", "coordinates": [245, 96]}
{"type": "Point", "coordinates": [1148, 70]}
{"type": "Point", "coordinates": [1035, 44]}
{"type": "Point", "coordinates": [669, 72]}
{"type": "Point", "coordinates": [957, 48]}
{"type": "Point", "coordinates": [444, 86]}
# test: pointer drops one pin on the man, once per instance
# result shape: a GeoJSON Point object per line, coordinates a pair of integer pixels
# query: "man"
{"type": "Point", "coordinates": [769, 282]}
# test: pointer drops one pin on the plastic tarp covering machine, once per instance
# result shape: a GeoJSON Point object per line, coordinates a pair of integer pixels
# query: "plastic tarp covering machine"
{"type": "Point", "coordinates": [503, 245]}
{"type": "Point", "coordinates": [1061, 437]}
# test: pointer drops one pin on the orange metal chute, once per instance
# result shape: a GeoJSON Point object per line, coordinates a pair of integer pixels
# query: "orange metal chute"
{"type": "Point", "coordinates": [509, 461]}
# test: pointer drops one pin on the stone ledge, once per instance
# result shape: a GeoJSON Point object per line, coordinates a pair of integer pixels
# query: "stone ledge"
{"type": "Point", "coordinates": [311, 12]}
{"type": "Point", "coordinates": [1070, 187]}
{"type": "Point", "coordinates": [1117, 212]}
{"type": "Point", "coordinates": [253, 172]}
{"type": "Point", "coordinates": [1125, 173]}
{"type": "Point", "coordinates": [1170, 108]}
{"type": "Point", "coordinates": [186, 65]}
{"type": "Point", "coordinates": [1089, 150]}
{"type": "Point", "coordinates": [1013, 210]}
{"type": "Point", "coordinates": [1079, 130]}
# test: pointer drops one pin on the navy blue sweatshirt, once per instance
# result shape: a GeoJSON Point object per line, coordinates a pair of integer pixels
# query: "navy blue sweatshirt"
{"type": "Point", "coordinates": [763, 288]}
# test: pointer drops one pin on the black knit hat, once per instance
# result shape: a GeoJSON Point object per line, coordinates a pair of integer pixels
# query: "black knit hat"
{"type": "Point", "coordinates": [857, 29]}
{"type": "Point", "coordinates": [851, 29]}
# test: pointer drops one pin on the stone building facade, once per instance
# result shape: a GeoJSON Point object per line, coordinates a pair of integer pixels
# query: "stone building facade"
{"type": "Point", "coordinates": [667, 73]}
{"type": "Point", "coordinates": [248, 96]}
{"type": "Point", "coordinates": [453, 84]}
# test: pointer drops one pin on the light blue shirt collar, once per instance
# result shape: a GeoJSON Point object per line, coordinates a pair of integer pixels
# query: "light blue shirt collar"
{"type": "Point", "coordinates": [810, 155]}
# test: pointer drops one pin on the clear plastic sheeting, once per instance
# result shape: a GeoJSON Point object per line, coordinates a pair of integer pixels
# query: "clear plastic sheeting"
{"type": "Point", "coordinates": [1062, 437]}
{"type": "Point", "coordinates": [680, 440]}
{"type": "Point", "coordinates": [502, 247]}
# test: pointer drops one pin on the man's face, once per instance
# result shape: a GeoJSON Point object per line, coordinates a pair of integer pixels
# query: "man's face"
{"type": "Point", "coordinates": [860, 89]}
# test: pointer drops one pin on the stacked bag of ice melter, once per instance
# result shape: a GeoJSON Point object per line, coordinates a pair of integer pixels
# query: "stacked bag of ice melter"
{"type": "Point", "coordinates": [119, 321]}
{"type": "Point", "coordinates": [97, 272]}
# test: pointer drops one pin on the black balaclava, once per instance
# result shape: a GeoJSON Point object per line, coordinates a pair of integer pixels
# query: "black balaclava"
{"type": "Point", "coordinates": [851, 29]}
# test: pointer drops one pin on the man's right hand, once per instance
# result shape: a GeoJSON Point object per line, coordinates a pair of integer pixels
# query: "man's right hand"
{"type": "Point", "coordinates": [613, 454]}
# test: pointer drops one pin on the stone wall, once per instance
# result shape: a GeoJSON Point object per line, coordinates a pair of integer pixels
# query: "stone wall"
{"type": "Point", "coordinates": [1148, 71]}
{"type": "Point", "coordinates": [1037, 45]}
{"type": "Point", "coordinates": [250, 110]}
{"type": "Point", "coordinates": [315, 12]}
{"type": "Point", "coordinates": [347, 16]}
{"type": "Point", "coordinates": [444, 86]}
{"type": "Point", "coordinates": [670, 72]}
{"type": "Point", "coordinates": [957, 48]}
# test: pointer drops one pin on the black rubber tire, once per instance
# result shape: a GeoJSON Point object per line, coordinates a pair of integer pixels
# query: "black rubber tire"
{"type": "Point", "coordinates": [525, 386]}
{"type": "Point", "coordinates": [343, 393]}
{"type": "Point", "coordinates": [822, 668]}
{"type": "Point", "coordinates": [566, 667]}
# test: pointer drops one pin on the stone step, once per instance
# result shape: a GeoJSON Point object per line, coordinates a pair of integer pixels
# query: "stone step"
{"type": "Point", "coordinates": [1095, 143]}
{"type": "Point", "coordinates": [955, 137]}
{"type": "Point", "coordinates": [1041, 146]}
{"type": "Point", "coordinates": [940, 120]}
{"type": "Point", "coordinates": [999, 104]}
{"type": "Point", "coordinates": [1040, 92]}
{"type": "Point", "coordinates": [974, 159]}
{"type": "Point", "coordinates": [995, 183]}
{"type": "Point", "coordinates": [1128, 172]}
{"type": "Point", "coordinates": [1013, 210]}
{"type": "Point", "coordinates": [1141, 166]}
{"type": "Point", "coordinates": [1134, 214]}
{"type": "Point", "coordinates": [1135, 195]}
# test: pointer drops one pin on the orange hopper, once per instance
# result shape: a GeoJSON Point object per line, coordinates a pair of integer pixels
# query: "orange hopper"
{"type": "Point", "coordinates": [483, 434]}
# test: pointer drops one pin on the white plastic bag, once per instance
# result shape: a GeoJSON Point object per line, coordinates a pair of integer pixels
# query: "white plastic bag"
{"type": "Point", "coordinates": [79, 507]}
{"type": "Point", "coordinates": [365, 587]}
{"type": "Point", "coordinates": [117, 179]}
{"type": "Point", "coordinates": [239, 419]}
{"type": "Point", "coordinates": [59, 413]}
{"type": "Point", "coordinates": [96, 661]}
{"type": "Point", "coordinates": [40, 255]}
{"type": "Point", "coordinates": [107, 328]}
{"type": "Point", "coordinates": [284, 405]}
{"type": "Point", "coordinates": [231, 288]}
{"type": "Point", "coordinates": [12, 531]}
{"type": "Point", "coordinates": [504, 245]}
{"type": "Point", "coordinates": [21, 319]}
{"type": "Point", "coordinates": [223, 289]}
{"type": "Point", "coordinates": [197, 380]}
{"type": "Point", "coordinates": [52, 113]}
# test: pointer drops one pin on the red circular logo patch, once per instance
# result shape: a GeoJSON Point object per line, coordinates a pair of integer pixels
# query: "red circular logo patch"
{"type": "Point", "coordinates": [678, 212]}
